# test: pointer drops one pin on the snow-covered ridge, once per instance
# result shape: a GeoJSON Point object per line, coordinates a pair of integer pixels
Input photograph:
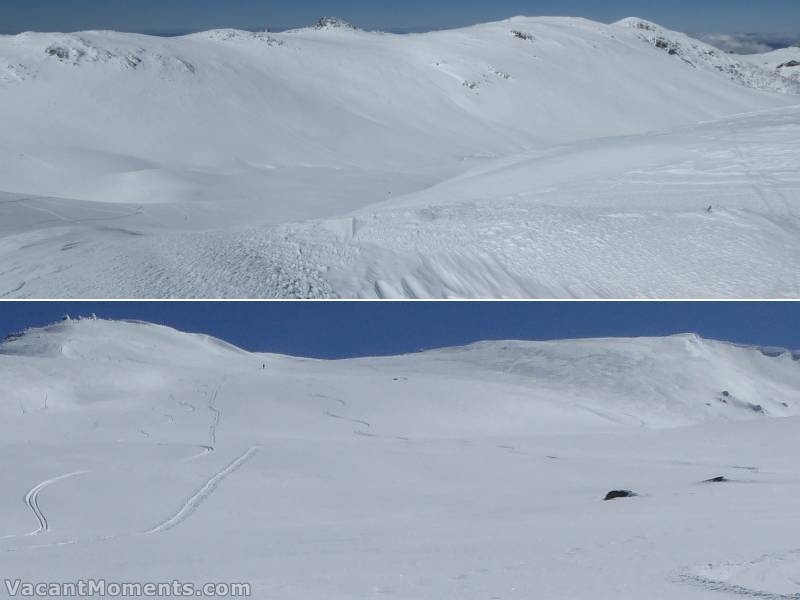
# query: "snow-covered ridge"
{"type": "Point", "coordinates": [29, 55]}
{"type": "Point", "coordinates": [785, 61]}
{"type": "Point", "coordinates": [741, 69]}
{"type": "Point", "coordinates": [658, 382]}
{"type": "Point", "coordinates": [132, 51]}
{"type": "Point", "coordinates": [103, 340]}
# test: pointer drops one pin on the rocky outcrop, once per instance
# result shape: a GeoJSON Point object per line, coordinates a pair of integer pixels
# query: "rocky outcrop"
{"type": "Point", "coordinates": [616, 494]}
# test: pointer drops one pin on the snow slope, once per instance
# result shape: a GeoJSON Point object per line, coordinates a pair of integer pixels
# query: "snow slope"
{"type": "Point", "coordinates": [785, 61]}
{"type": "Point", "coordinates": [214, 164]}
{"type": "Point", "coordinates": [699, 55]}
{"type": "Point", "coordinates": [133, 451]}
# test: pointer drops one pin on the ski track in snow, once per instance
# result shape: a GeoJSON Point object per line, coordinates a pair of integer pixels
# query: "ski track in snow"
{"type": "Point", "coordinates": [365, 424]}
{"type": "Point", "coordinates": [361, 422]}
{"type": "Point", "coordinates": [343, 404]}
{"type": "Point", "coordinates": [204, 451]}
{"type": "Point", "coordinates": [692, 577]}
{"type": "Point", "coordinates": [216, 415]}
{"type": "Point", "coordinates": [32, 500]}
{"type": "Point", "coordinates": [718, 586]}
{"type": "Point", "coordinates": [194, 501]}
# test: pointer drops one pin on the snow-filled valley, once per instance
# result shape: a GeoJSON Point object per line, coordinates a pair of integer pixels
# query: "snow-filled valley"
{"type": "Point", "coordinates": [133, 452]}
{"type": "Point", "coordinates": [532, 157]}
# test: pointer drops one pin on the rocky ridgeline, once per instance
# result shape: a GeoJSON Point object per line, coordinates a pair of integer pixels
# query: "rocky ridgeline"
{"type": "Point", "coordinates": [234, 35]}
{"type": "Point", "coordinates": [333, 23]}
{"type": "Point", "coordinates": [704, 56]}
{"type": "Point", "coordinates": [42, 50]}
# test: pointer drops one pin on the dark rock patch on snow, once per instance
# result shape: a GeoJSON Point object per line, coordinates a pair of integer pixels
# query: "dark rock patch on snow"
{"type": "Point", "coordinates": [615, 494]}
{"type": "Point", "coordinates": [333, 23]}
{"type": "Point", "coordinates": [522, 35]}
{"type": "Point", "coordinates": [58, 52]}
{"type": "Point", "coordinates": [719, 479]}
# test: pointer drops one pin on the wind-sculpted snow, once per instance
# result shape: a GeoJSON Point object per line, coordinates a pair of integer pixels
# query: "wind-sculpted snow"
{"type": "Point", "coordinates": [458, 473]}
{"type": "Point", "coordinates": [703, 211]}
{"type": "Point", "coordinates": [552, 157]}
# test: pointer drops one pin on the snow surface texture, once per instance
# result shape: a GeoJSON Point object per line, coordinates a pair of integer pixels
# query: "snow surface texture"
{"type": "Point", "coordinates": [785, 61]}
{"type": "Point", "coordinates": [132, 451]}
{"type": "Point", "coordinates": [533, 157]}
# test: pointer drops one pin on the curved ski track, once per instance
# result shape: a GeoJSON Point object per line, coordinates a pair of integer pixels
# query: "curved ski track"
{"type": "Point", "coordinates": [361, 422]}
{"type": "Point", "coordinates": [32, 500]}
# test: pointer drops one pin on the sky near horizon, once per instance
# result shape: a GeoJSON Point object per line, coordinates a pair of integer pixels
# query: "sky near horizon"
{"type": "Point", "coordinates": [164, 16]}
{"type": "Point", "coordinates": [347, 329]}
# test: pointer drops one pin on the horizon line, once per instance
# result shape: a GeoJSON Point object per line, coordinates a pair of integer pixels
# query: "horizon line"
{"type": "Point", "coordinates": [410, 29]}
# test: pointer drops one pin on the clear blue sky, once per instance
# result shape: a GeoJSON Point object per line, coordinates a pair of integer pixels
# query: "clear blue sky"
{"type": "Point", "coordinates": [342, 329]}
{"type": "Point", "coordinates": [185, 15]}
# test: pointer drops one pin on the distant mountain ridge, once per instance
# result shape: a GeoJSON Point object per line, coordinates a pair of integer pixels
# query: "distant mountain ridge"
{"type": "Point", "coordinates": [657, 381]}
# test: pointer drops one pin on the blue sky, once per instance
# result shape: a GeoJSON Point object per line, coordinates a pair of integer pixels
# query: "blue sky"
{"type": "Point", "coordinates": [342, 329]}
{"type": "Point", "coordinates": [183, 15]}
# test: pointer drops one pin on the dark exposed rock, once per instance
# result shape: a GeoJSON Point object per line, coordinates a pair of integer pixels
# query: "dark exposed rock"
{"type": "Point", "coordinates": [719, 479]}
{"type": "Point", "coordinates": [791, 63]}
{"type": "Point", "coordinates": [333, 23]}
{"type": "Point", "coordinates": [614, 494]}
{"type": "Point", "coordinates": [522, 35]}
{"type": "Point", "coordinates": [58, 52]}
{"type": "Point", "coordinates": [133, 61]}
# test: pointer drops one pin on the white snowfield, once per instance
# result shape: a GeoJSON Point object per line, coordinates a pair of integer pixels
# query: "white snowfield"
{"type": "Point", "coordinates": [132, 452]}
{"type": "Point", "coordinates": [786, 61]}
{"type": "Point", "coordinates": [532, 157]}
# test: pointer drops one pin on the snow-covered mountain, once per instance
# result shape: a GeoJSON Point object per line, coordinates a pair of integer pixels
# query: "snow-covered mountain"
{"type": "Point", "coordinates": [134, 152]}
{"type": "Point", "coordinates": [740, 68]}
{"type": "Point", "coordinates": [785, 61]}
{"type": "Point", "coordinates": [456, 473]}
